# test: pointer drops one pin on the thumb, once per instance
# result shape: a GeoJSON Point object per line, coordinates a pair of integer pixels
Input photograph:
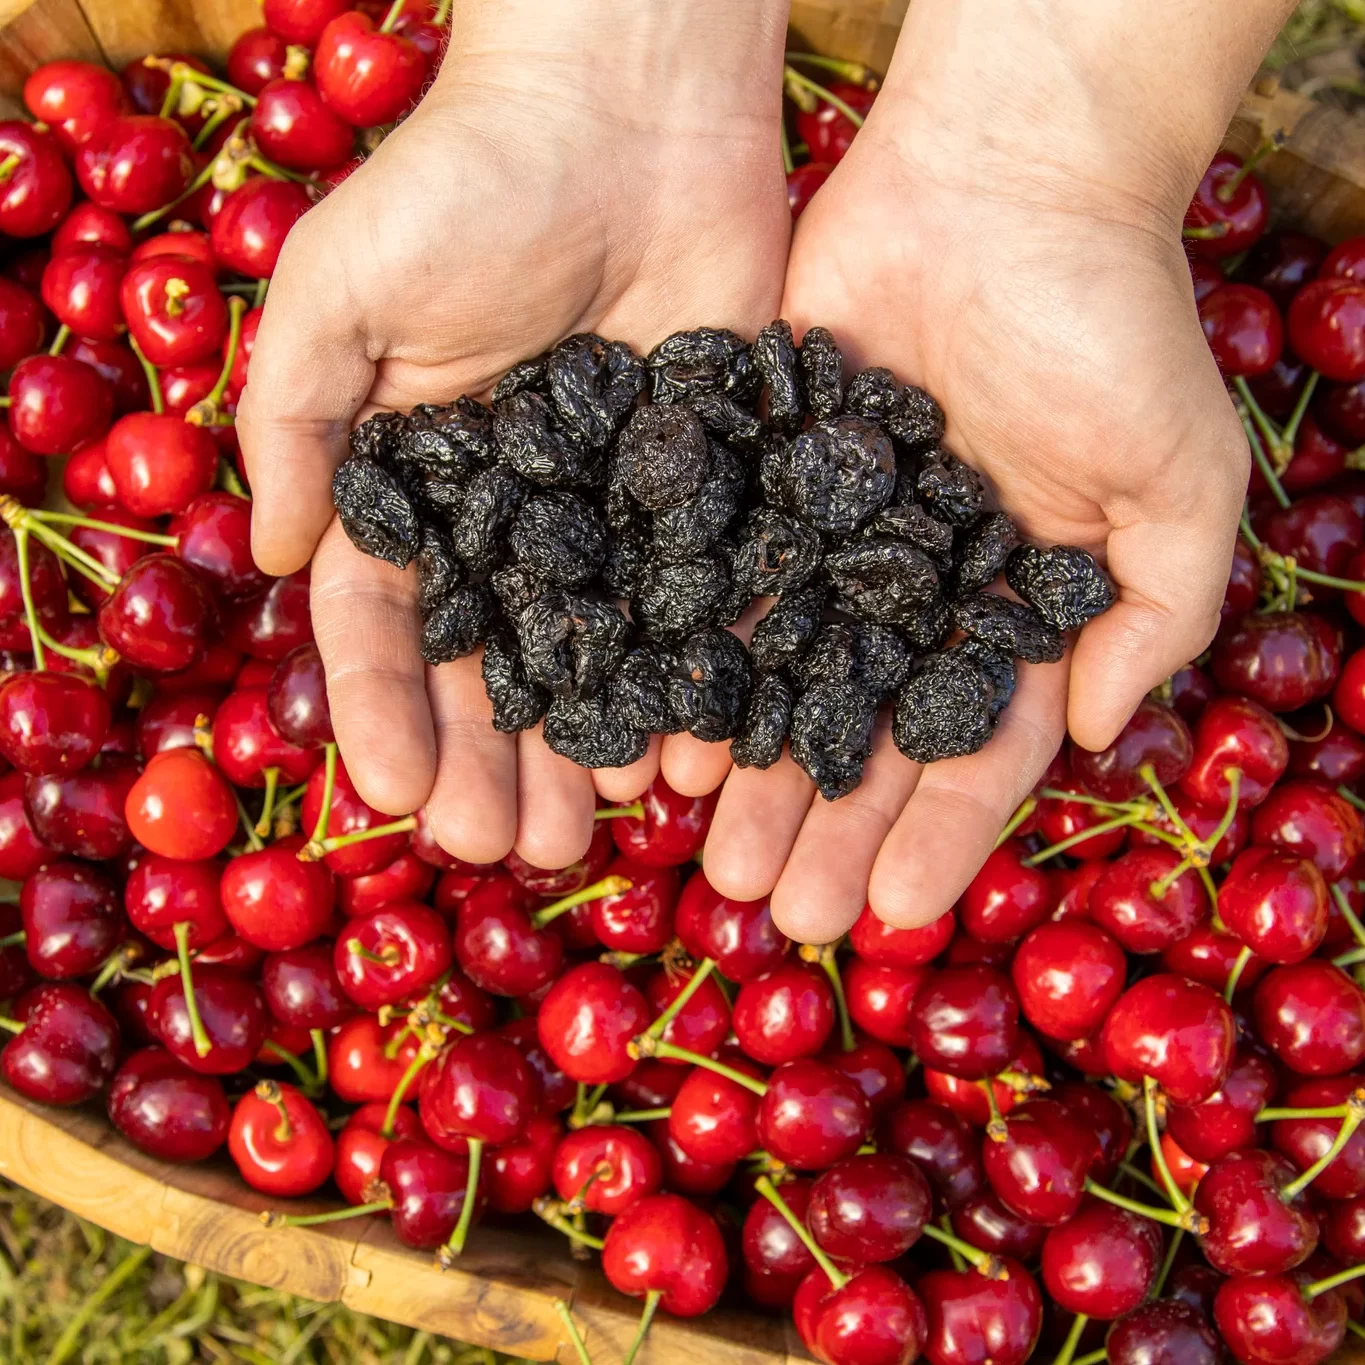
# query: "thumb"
{"type": "Point", "coordinates": [309, 375]}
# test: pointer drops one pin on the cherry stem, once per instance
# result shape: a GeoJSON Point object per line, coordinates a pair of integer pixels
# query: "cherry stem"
{"type": "Point", "coordinates": [1026, 808]}
{"type": "Point", "coordinates": [188, 74]}
{"type": "Point", "coordinates": [390, 957]}
{"type": "Point", "coordinates": [575, 1337]}
{"type": "Point", "coordinates": [824, 955]}
{"type": "Point", "coordinates": [646, 1046]}
{"type": "Point", "coordinates": [1311, 1291]}
{"type": "Point", "coordinates": [311, 852]}
{"type": "Point", "coordinates": [442, 15]}
{"type": "Point", "coordinates": [181, 930]}
{"type": "Point", "coordinates": [549, 1211]}
{"type": "Point", "coordinates": [795, 81]}
{"type": "Point", "coordinates": [1272, 1115]}
{"type": "Point", "coordinates": [62, 547]}
{"type": "Point", "coordinates": [853, 72]}
{"type": "Point", "coordinates": [768, 1190]}
{"type": "Point", "coordinates": [1093, 1358]}
{"type": "Point", "coordinates": [785, 144]}
{"type": "Point", "coordinates": [253, 840]}
{"type": "Point", "coordinates": [1142, 1178]}
{"type": "Point", "coordinates": [640, 1115]}
{"type": "Point", "coordinates": [307, 1220]}
{"type": "Point", "coordinates": [946, 1223]}
{"type": "Point", "coordinates": [424, 1055]}
{"type": "Point", "coordinates": [703, 969]}
{"type": "Point", "coordinates": [1349, 915]}
{"type": "Point", "coordinates": [995, 1129]}
{"type": "Point", "coordinates": [1160, 888]}
{"type": "Point", "coordinates": [1085, 799]}
{"type": "Point", "coordinates": [635, 812]}
{"type": "Point", "coordinates": [328, 787]}
{"type": "Point", "coordinates": [1073, 1337]}
{"type": "Point", "coordinates": [272, 782]}
{"type": "Point", "coordinates": [206, 409]}
{"type": "Point", "coordinates": [195, 185]}
{"type": "Point", "coordinates": [395, 1044]}
{"type": "Point", "coordinates": [1104, 827]}
{"type": "Point", "coordinates": [1291, 427]}
{"type": "Point", "coordinates": [1225, 192]}
{"type": "Point", "coordinates": [471, 1189]}
{"type": "Point", "coordinates": [60, 340]}
{"type": "Point", "coordinates": [13, 940]}
{"type": "Point", "coordinates": [1173, 1191]}
{"type": "Point", "coordinates": [1234, 777]}
{"type": "Point", "coordinates": [307, 1081]}
{"type": "Point", "coordinates": [153, 378]}
{"type": "Point", "coordinates": [11, 1025]}
{"type": "Point", "coordinates": [608, 886]}
{"type": "Point", "coordinates": [1209, 233]}
{"type": "Point", "coordinates": [270, 1093]}
{"type": "Point", "coordinates": [1148, 775]}
{"type": "Point", "coordinates": [8, 166]}
{"type": "Point", "coordinates": [26, 589]}
{"type": "Point", "coordinates": [1188, 1219]}
{"type": "Point", "coordinates": [1347, 794]}
{"type": "Point", "coordinates": [647, 1317]}
{"type": "Point", "coordinates": [319, 1055]}
{"type": "Point", "coordinates": [1355, 1116]}
{"type": "Point", "coordinates": [93, 524]}
{"type": "Point", "coordinates": [1235, 975]}
{"type": "Point", "coordinates": [225, 107]}
{"type": "Point", "coordinates": [1158, 1284]}
{"type": "Point", "coordinates": [1355, 1327]}
{"type": "Point", "coordinates": [392, 17]}
{"type": "Point", "coordinates": [1257, 450]}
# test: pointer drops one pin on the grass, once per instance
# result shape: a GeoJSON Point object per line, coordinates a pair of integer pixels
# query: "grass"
{"type": "Point", "coordinates": [70, 1294]}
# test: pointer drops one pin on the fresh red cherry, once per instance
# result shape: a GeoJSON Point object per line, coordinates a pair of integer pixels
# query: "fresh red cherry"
{"type": "Point", "coordinates": [429, 1187]}
{"type": "Point", "coordinates": [1146, 901]}
{"type": "Point", "coordinates": [21, 323]}
{"type": "Point", "coordinates": [51, 722]}
{"type": "Point", "coordinates": [279, 1142]}
{"type": "Point", "coordinates": [1067, 976]}
{"type": "Point", "coordinates": [557, 1092]}
{"type": "Point", "coordinates": [497, 945]}
{"type": "Point", "coordinates": [1282, 262]}
{"type": "Point", "coordinates": [1310, 819]}
{"type": "Point", "coordinates": [802, 184]}
{"type": "Point", "coordinates": [1236, 733]}
{"type": "Point", "coordinates": [638, 919]}
{"type": "Point", "coordinates": [82, 814]}
{"type": "Point", "coordinates": [74, 99]}
{"type": "Point", "coordinates": [828, 132]}
{"type": "Point", "coordinates": [1058, 819]}
{"type": "Point", "coordinates": [72, 918]}
{"type": "Point", "coordinates": [879, 999]}
{"type": "Point", "coordinates": [35, 186]}
{"type": "Point", "coordinates": [1340, 408]}
{"type": "Point", "coordinates": [168, 721]}
{"type": "Point", "coordinates": [587, 1022]}
{"type": "Point", "coordinates": [163, 892]}
{"type": "Point", "coordinates": [715, 1119]}
{"type": "Point", "coordinates": [407, 878]}
{"type": "Point", "coordinates": [479, 1090]}
{"type": "Point", "coordinates": [159, 615]}
{"type": "Point", "coordinates": [294, 127]}
{"type": "Point", "coordinates": [873, 1317]}
{"type": "Point", "coordinates": [940, 1144]}
{"type": "Point", "coordinates": [166, 1110]}
{"type": "Point", "coordinates": [1039, 1165]}
{"type": "Point", "coordinates": [268, 627]}
{"type": "Point", "coordinates": [359, 1066]}
{"type": "Point", "coordinates": [1318, 459]}
{"type": "Point", "coordinates": [874, 1069]}
{"type": "Point", "coordinates": [703, 1022]}
{"type": "Point", "coordinates": [1265, 1320]}
{"type": "Point", "coordinates": [46, 585]}
{"type": "Point", "coordinates": [739, 936]}
{"type": "Point", "coordinates": [1007, 897]}
{"type": "Point", "coordinates": [1305, 1141]}
{"type": "Point", "coordinates": [969, 1100]}
{"type": "Point", "coordinates": [1179, 1032]}
{"type": "Point", "coordinates": [672, 829]}
{"type": "Point", "coordinates": [1343, 1229]}
{"type": "Point", "coordinates": [1277, 659]}
{"type": "Point", "coordinates": [246, 745]}
{"type": "Point", "coordinates": [1205, 276]}
{"type": "Point", "coordinates": [118, 553]}
{"type": "Point", "coordinates": [361, 1144]}
{"type": "Point", "coordinates": [520, 1172]}
{"type": "Point", "coordinates": [876, 941]}
{"type": "Point", "coordinates": [366, 76]}
{"type": "Point", "coordinates": [56, 403]}
{"type": "Point", "coordinates": [214, 533]}
{"type": "Point", "coordinates": [231, 1009]}
{"type": "Point", "coordinates": [1226, 1120]}
{"type": "Point", "coordinates": [1155, 735]}
{"type": "Point", "coordinates": [812, 1115]}
{"type": "Point", "coordinates": [667, 1248]}
{"type": "Point", "coordinates": [1275, 902]}
{"type": "Point", "coordinates": [1110, 1122]}
{"type": "Point", "coordinates": [974, 1319]}
{"type": "Point", "coordinates": [301, 21]}
{"type": "Point", "coordinates": [159, 463]}
{"type": "Point", "coordinates": [302, 989]}
{"type": "Point", "coordinates": [21, 851]}
{"type": "Point", "coordinates": [1348, 699]}
{"type": "Point", "coordinates": [1229, 209]}
{"type": "Point", "coordinates": [1326, 326]}
{"type": "Point", "coordinates": [86, 479]}
{"type": "Point", "coordinates": [173, 782]}
{"type": "Point", "coordinates": [1243, 329]}
{"type": "Point", "coordinates": [174, 310]}
{"type": "Point", "coordinates": [249, 230]}
{"type": "Point", "coordinates": [984, 1222]}
{"type": "Point", "coordinates": [1312, 1016]}
{"type": "Point", "coordinates": [1163, 1332]}
{"type": "Point", "coordinates": [81, 287]}
{"type": "Point", "coordinates": [1320, 531]}
{"type": "Point", "coordinates": [350, 815]}
{"type": "Point", "coordinates": [23, 475]}
{"type": "Point", "coordinates": [965, 1020]}
{"type": "Point", "coordinates": [134, 163]}
{"type": "Point", "coordinates": [869, 1208]}
{"type": "Point", "coordinates": [684, 1174]}
{"type": "Point", "coordinates": [68, 1048]}
{"type": "Point", "coordinates": [769, 1243]}
{"type": "Point", "coordinates": [1103, 1262]}
{"type": "Point", "coordinates": [787, 1014]}
{"type": "Point", "coordinates": [392, 953]}
{"type": "Point", "coordinates": [606, 1168]}
{"type": "Point", "coordinates": [256, 58]}
{"type": "Point", "coordinates": [1253, 1228]}
{"type": "Point", "coordinates": [275, 901]}
{"type": "Point", "coordinates": [297, 698]}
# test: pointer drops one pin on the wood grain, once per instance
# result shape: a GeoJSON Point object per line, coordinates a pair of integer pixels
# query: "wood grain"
{"type": "Point", "coordinates": [36, 33]}
{"type": "Point", "coordinates": [132, 28]}
{"type": "Point", "coordinates": [864, 31]}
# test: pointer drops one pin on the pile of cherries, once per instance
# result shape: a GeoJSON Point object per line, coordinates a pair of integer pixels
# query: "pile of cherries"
{"type": "Point", "coordinates": [1109, 1108]}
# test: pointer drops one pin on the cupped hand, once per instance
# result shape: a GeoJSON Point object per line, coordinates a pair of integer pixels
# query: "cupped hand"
{"type": "Point", "coordinates": [537, 191]}
{"type": "Point", "coordinates": [1055, 323]}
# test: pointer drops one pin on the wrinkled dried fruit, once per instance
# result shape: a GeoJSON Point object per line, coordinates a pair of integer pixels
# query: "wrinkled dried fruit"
{"type": "Point", "coordinates": [822, 374]}
{"type": "Point", "coordinates": [836, 475]}
{"type": "Point", "coordinates": [638, 690]}
{"type": "Point", "coordinates": [571, 643]}
{"type": "Point", "coordinates": [560, 537]}
{"type": "Point", "coordinates": [831, 735]}
{"type": "Point", "coordinates": [776, 554]}
{"type": "Point", "coordinates": [590, 733]}
{"type": "Point", "coordinates": [949, 489]}
{"type": "Point", "coordinates": [663, 456]}
{"type": "Point", "coordinates": [775, 355]}
{"type": "Point", "coordinates": [982, 550]}
{"type": "Point", "coordinates": [1064, 583]}
{"type": "Point", "coordinates": [533, 443]}
{"type": "Point", "coordinates": [764, 725]}
{"type": "Point", "coordinates": [673, 601]}
{"type": "Point", "coordinates": [438, 570]}
{"type": "Point", "coordinates": [1010, 627]}
{"type": "Point", "coordinates": [911, 416]}
{"type": "Point", "coordinates": [705, 360]}
{"type": "Point", "coordinates": [376, 511]}
{"type": "Point", "coordinates": [882, 580]}
{"type": "Point", "coordinates": [459, 625]}
{"type": "Point", "coordinates": [710, 684]}
{"type": "Point", "coordinates": [479, 532]}
{"type": "Point", "coordinates": [517, 703]}
{"type": "Point", "coordinates": [944, 711]}
{"type": "Point", "coordinates": [786, 632]}
{"type": "Point", "coordinates": [593, 384]}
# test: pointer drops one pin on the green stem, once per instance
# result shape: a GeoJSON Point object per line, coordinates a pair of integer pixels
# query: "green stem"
{"type": "Point", "coordinates": [1104, 827]}
{"type": "Point", "coordinates": [1349, 959]}
{"type": "Point", "coordinates": [195, 185]}
{"type": "Point", "coordinates": [1073, 1337]}
{"type": "Point", "coordinates": [791, 76]}
{"type": "Point", "coordinates": [1228, 189]}
{"type": "Point", "coordinates": [1159, 1283]}
{"type": "Point", "coordinates": [392, 17]}
{"type": "Point", "coordinates": [853, 72]}
{"type": "Point", "coordinates": [647, 1317]}
{"type": "Point", "coordinates": [1347, 794]}
{"type": "Point", "coordinates": [575, 1338]}
{"type": "Point", "coordinates": [361, 836]}
{"type": "Point", "coordinates": [26, 590]}
{"type": "Point", "coordinates": [974, 1256]}
{"type": "Point", "coordinates": [1349, 915]}
{"type": "Point", "coordinates": [830, 965]}
{"type": "Point", "coordinates": [13, 940]}
{"type": "Point", "coordinates": [202, 1046]}
{"type": "Point", "coordinates": [1291, 427]}
{"type": "Point", "coordinates": [1311, 1291]}
{"type": "Point", "coordinates": [404, 1082]}
{"type": "Point", "coordinates": [253, 840]}
{"type": "Point", "coordinates": [608, 886]}
{"type": "Point", "coordinates": [60, 340]}
{"type": "Point", "coordinates": [11, 1025]}
{"type": "Point", "coordinates": [785, 143]}
{"type": "Point", "coordinates": [703, 970]}
{"type": "Point", "coordinates": [1173, 1192]}
{"type": "Point", "coordinates": [94, 524]}
{"type": "Point", "coordinates": [548, 1214]}
{"type": "Point", "coordinates": [1234, 776]}
{"type": "Point", "coordinates": [946, 1223]}
{"type": "Point", "coordinates": [1354, 1117]}
{"type": "Point", "coordinates": [471, 1189]}
{"type": "Point", "coordinates": [272, 782]}
{"type": "Point", "coordinates": [153, 378]}
{"type": "Point", "coordinates": [207, 407]}
{"type": "Point", "coordinates": [319, 1055]}
{"type": "Point", "coordinates": [208, 82]}
{"type": "Point", "coordinates": [1235, 975]}
{"type": "Point", "coordinates": [1026, 808]}
{"type": "Point", "coordinates": [768, 1190]}
{"type": "Point", "coordinates": [658, 1048]}
{"type": "Point", "coordinates": [311, 1220]}
{"type": "Point", "coordinates": [641, 1115]}
{"type": "Point", "coordinates": [1093, 1358]}
{"type": "Point", "coordinates": [328, 787]}
{"type": "Point", "coordinates": [1259, 456]}
{"type": "Point", "coordinates": [1148, 775]}
{"type": "Point", "coordinates": [1272, 1115]}
{"type": "Point", "coordinates": [308, 1082]}
{"type": "Point", "coordinates": [635, 812]}
{"type": "Point", "coordinates": [225, 107]}
{"type": "Point", "coordinates": [1142, 1178]}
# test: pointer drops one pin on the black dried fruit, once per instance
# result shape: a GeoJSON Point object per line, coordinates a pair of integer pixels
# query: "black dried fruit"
{"type": "Point", "coordinates": [1011, 627]}
{"type": "Point", "coordinates": [822, 374]}
{"type": "Point", "coordinates": [952, 491]}
{"type": "Point", "coordinates": [946, 709]}
{"type": "Point", "coordinates": [764, 725]}
{"type": "Point", "coordinates": [882, 580]}
{"type": "Point", "coordinates": [836, 475]}
{"type": "Point", "coordinates": [626, 558]}
{"type": "Point", "coordinates": [691, 529]}
{"type": "Point", "coordinates": [911, 416]}
{"type": "Point", "coordinates": [571, 643]}
{"type": "Point", "coordinates": [927, 628]}
{"type": "Point", "coordinates": [638, 691]}
{"type": "Point", "coordinates": [1064, 583]}
{"type": "Point", "coordinates": [738, 599]}
{"type": "Point", "coordinates": [561, 537]}
{"type": "Point", "coordinates": [999, 669]}
{"type": "Point", "coordinates": [663, 457]}
{"type": "Point", "coordinates": [377, 437]}
{"type": "Point", "coordinates": [459, 625]}
{"type": "Point", "coordinates": [593, 384]}
{"type": "Point", "coordinates": [524, 375]}
{"type": "Point", "coordinates": [776, 553]}
{"type": "Point", "coordinates": [436, 498]}
{"type": "Point", "coordinates": [831, 735]}
{"type": "Point", "coordinates": [533, 443]}
{"type": "Point", "coordinates": [705, 360]}
{"type": "Point", "coordinates": [438, 570]}
{"type": "Point", "coordinates": [775, 356]}
{"type": "Point", "coordinates": [376, 511]}
{"type": "Point", "coordinates": [982, 550]}
{"type": "Point", "coordinates": [590, 733]}
{"type": "Point", "coordinates": [710, 684]}
{"type": "Point", "coordinates": [516, 587]}
{"type": "Point", "coordinates": [724, 418]}
{"type": "Point", "coordinates": [832, 656]}
{"type": "Point", "coordinates": [882, 659]}
{"type": "Point", "coordinates": [517, 703]}
{"type": "Point", "coordinates": [786, 632]}
{"type": "Point", "coordinates": [450, 440]}
{"type": "Point", "coordinates": [673, 601]}
{"type": "Point", "coordinates": [479, 532]}
{"type": "Point", "coordinates": [910, 522]}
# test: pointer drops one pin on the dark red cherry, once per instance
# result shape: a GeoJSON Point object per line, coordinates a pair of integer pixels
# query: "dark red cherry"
{"type": "Point", "coordinates": [1103, 1262]}
{"type": "Point", "coordinates": [392, 953]}
{"type": "Point", "coordinates": [1310, 819]}
{"type": "Point", "coordinates": [876, 941]}
{"type": "Point", "coordinates": [1265, 1320]}
{"type": "Point", "coordinates": [497, 945]}
{"type": "Point", "coordinates": [82, 814]}
{"type": "Point", "coordinates": [293, 126]}
{"type": "Point", "coordinates": [1277, 659]}
{"type": "Point", "coordinates": [1243, 329]}
{"type": "Point", "coordinates": [739, 936]}
{"type": "Point", "coordinates": [233, 1013]}
{"type": "Point", "coordinates": [1326, 326]}
{"type": "Point", "coordinates": [984, 1222]}
{"type": "Point", "coordinates": [275, 901]}
{"type": "Point", "coordinates": [361, 1144]}
{"type": "Point", "coordinates": [787, 1014]}
{"type": "Point", "coordinates": [134, 163]}
{"type": "Point", "coordinates": [587, 1022]}
{"type": "Point", "coordinates": [965, 1020]}
{"type": "Point", "coordinates": [608, 1167]}
{"type": "Point", "coordinates": [768, 1241]}
{"type": "Point", "coordinates": [1312, 1016]}
{"type": "Point", "coordinates": [812, 1115]}
{"type": "Point", "coordinates": [702, 1024]}
{"type": "Point", "coordinates": [256, 58]}
{"type": "Point", "coordinates": [297, 698]}
{"type": "Point", "coordinates": [281, 1145]}
{"type": "Point", "coordinates": [1275, 902]}
{"type": "Point", "coordinates": [1067, 976]}
{"type": "Point", "coordinates": [86, 479]}
{"type": "Point", "coordinates": [248, 232]}
{"type": "Point", "coordinates": [1228, 224]}
{"type": "Point", "coordinates": [684, 1174]}
{"type": "Point", "coordinates": [1226, 1120]}
{"type": "Point", "coordinates": [163, 892]}
{"type": "Point", "coordinates": [1282, 262]}
{"type": "Point", "coordinates": [940, 1144]}
{"type": "Point", "coordinates": [557, 1092]}
{"type": "Point", "coordinates": [1039, 1166]}
{"type": "Point", "coordinates": [429, 1187]}
{"type": "Point", "coordinates": [35, 186]}
{"type": "Point", "coordinates": [302, 990]}
{"type": "Point", "coordinates": [875, 1316]}
{"type": "Point", "coordinates": [828, 132]}
{"type": "Point", "coordinates": [968, 1099]}
{"type": "Point", "coordinates": [869, 1208]}
{"type": "Point", "coordinates": [975, 1320]}
{"type": "Point", "coordinates": [1321, 530]}
{"type": "Point", "coordinates": [1236, 733]}
{"type": "Point", "coordinates": [666, 1246]}
{"type": "Point", "coordinates": [168, 721]}
{"type": "Point", "coordinates": [166, 1110]}
{"type": "Point", "coordinates": [802, 184]}
{"type": "Point", "coordinates": [72, 918]}
{"type": "Point", "coordinates": [874, 1069]}
{"type": "Point", "coordinates": [1253, 1229]}
{"type": "Point", "coordinates": [1338, 758]}
{"type": "Point", "coordinates": [1163, 1332]}
{"type": "Point", "coordinates": [478, 1090]}
{"type": "Point", "coordinates": [21, 851]}
{"type": "Point", "coordinates": [23, 475]}
{"type": "Point", "coordinates": [214, 534]}
{"type": "Point", "coordinates": [246, 745]}
{"type": "Point", "coordinates": [672, 830]}
{"type": "Point", "coordinates": [1107, 1118]}
{"type": "Point", "coordinates": [1007, 897]}
{"type": "Point", "coordinates": [56, 403]}
{"type": "Point", "coordinates": [1305, 1141]}
{"type": "Point", "coordinates": [348, 814]}
{"type": "Point", "coordinates": [879, 999]}
{"type": "Point", "coordinates": [118, 553]}
{"type": "Point", "coordinates": [1155, 735]}
{"type": "Point", "coordinates": [1146, 901]}
{"type": "Point", "coordinates": [366, 76]}
{"type": "Point", "coordinates": [51, 722]}
{"type": "Point", "coordinates": [158, 616]}
{"type": "Point", "coordinates": [21, 323]}
{"type": "Point", "coordinates": [1343, 1229]}
{"type": "Point", "coordinates": [521, 1171]}
{"type": "Point", "coordinates": [359, 1065]}
{"type": "Point", "coordinates": [68, 1049]}
{"type": "Point", "coordinates": [269, 626]}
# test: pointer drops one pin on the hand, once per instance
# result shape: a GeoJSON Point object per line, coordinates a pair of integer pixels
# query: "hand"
{"type": "Point", "coordinates": [613, 172]}
{"type": "Point", "coordinates": [1048, 307]}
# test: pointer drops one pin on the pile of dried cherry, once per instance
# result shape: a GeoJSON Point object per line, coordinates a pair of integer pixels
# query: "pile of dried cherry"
{"type": "Point", "coordinates": [1108, 1108]}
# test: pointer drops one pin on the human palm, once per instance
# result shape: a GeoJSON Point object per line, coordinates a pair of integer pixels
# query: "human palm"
{"type": "Point", "coordinates": [1065, 350]}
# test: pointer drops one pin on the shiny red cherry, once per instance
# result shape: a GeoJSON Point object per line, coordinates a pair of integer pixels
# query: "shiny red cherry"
{"type": "Point", "coordinates": [587, 1022]}
{"type": "Point", "coordinates": [158, 616]}
{"type": "Point", "coordinates": [21, 323]}
{"type": "Point", "coordinates": [672, 829]}
{"type": "Point", "coordinates": [301, 21]}
{"type": "Point", "coordinates": [786, 1014]}
{"type": "Point", "coordinates": [940, 1144]}
{"type": "Point", "coordinates": [1305, 1141]}
{"type": "Point", "coordinates": [1275, 902]}
{"type": "Point", "coordinates": [361, 1144]}
{"type": "Point", "coordinates": [812, 1115]}
{"type": "Point", "coordinates": [497, 945]}
{"type": "Point", "coordinates": [174, 310]}
{"type": "Point", "coordinates": [51, 722]}
{"type": "Point", "coordinates": [702, 1024]}
{"type": "Point", "coordinates": [429, 1187]}
{"type": "Point", "coordinates": [1277, 659]}
{"type": "Point", "coordinates": [606, 1168]}
{"type": "Point", "coordinates": [249, 230]}
{"type": "Point", "coordinates": [173, 782]}
{"type": "Point", "coordinates": [74, 99]}
{"type": "Point", "coordinates": [350, 815]}
{"type": "Point", "coordinates": [638, 919]}
{"type": "Point", "coordinates": [1039, 1166]}
{"type": "Point", "coordinates": [739, 936]}
{"type": "Point", "coordinates": [1067, 976]}
{"type": "Point", "coordinates": [72, 919]}
{"type": "Point", "coordinates": [1326, 326]}
{"type": "Point", "coordinates": [294, 127]}
{"type": "Point", "coordinates": [828, 132]}
{"type": "Point", "coordinates": [1007, 897]}
{"type": "Point", "coordinates": [1312, 1017]}
{"type": "Point", "coordinates": [965, 1020]}
{"type": "Point", "coordinates": [159, 463]}
{"type": "Point", "coordinates": [279, 1142]}
{"type": "Point", "coordinates": [365, 76]}
{"type": "Point", "coordinates": [407, 878]}
{"type": "Point", "coordinates": [1103, 1262]}
{"type": "Point", "coordinates": [1229, 209]}
{"type": "Point", "coordinates": [134, 163]}
{"type": "Point", "coordinates": [876, 941]}
{"type": "Point", "coordinates": [974, 1319]}
{"type": "Point", "coordinates": [163, 892]}
{"type": "Point", "coordinates": [874, 1317]}
{"type": "Point", "coordinates": [1154, 736]}
{"type": "Point", "coordinates": [1226, 1120]}
{"type": "Point", "coordinates": [879, 999]}
{"type": "Point", "coordinates": [479, 1090]}
{"type": "Point", "coordinates": [81, 287]}
{"type": "Point", "coordinates": [214, 534]}
{"type": "Point", "coordinates": [246, 745]}
{"type": "Point", "coordinates": [869, 1208]}
{"type": "Point", "coordinates": [35, 186]}
{"type": "Point", "coordinates": [166, 1110]}
{"type": "Point", "coordinates": [1235, 733]}
{"type": "Point", "coordinates": [1146, 901]}
{"type": "Point", "coordinates": [360, 1068]}
{"type": "Point", "coordinates": [392, 953]}
{"type": "Point", "coordinates": [802, 184]}
{"type": "Point", "coordinates": [1243, 329]}
{"type": "Point", "coordinates": [1253, 1228]}
{"type": "Point", "coordinates": [68, 1049]}
{"type": "Point", "coordinates": [1265, 1320]}
{"type": "Point", "coordinates": [1308, 818]}
{"type": "Point", "coordinates": [275, 901]}
{"type": "Point", "coordinates": [297, 698]}
{"type": "Point", "coordinates": [233, 1014]}
{"type": "Point", "coordinates": [56, 403]}
{"type": "Point", "coordinates": [666, 1246]}
{"type": "Point", "coordinates": [82, 814]}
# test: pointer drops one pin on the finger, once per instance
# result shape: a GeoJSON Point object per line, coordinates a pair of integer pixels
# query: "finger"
{"type": "Point", "coordinates": [473, 806]}
{"type": "Point", "coordinates": [622, 785]}
{"type": "Point", "coordinates": [757, 819]}
{"type": "Point", "coordinates": [365, 620]}
{"type": "Point", "coordinates": [823, 888]}
{"type": "Point", "coordinates": [309, 375]}
{"type": "Point", "coordinates": [951, 823]}
{"type": "Point", "coordinates": [555, 800]}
